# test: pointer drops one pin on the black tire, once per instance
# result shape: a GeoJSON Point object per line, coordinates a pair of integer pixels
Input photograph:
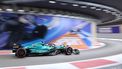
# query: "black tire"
{"type": "Point", "coordinates": [76, 51]}
{"type": "Point", "coordinates": [53, 53]}
{"type": "Point", "coordinates": [20, 53]}
{"type": "Point", "coordinates": [68, 51]}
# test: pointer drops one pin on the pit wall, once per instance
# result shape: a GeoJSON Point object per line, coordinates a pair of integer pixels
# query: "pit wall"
{"type": "Point", "coordinates": [78, 33]}
{"type": "Point", "coordinates": [110, 31]}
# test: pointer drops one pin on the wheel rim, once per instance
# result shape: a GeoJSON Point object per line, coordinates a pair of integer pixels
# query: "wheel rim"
{"type": "Point", "coordinates": [69, 51]}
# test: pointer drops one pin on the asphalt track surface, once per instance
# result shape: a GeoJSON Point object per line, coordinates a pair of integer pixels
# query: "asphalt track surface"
{"type": "Point", "coordinates": [111, 48]}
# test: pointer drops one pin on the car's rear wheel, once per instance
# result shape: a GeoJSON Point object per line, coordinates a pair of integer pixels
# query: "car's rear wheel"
{"type": "Point", "coordinates": [68, 51]}
{"type": "Point", "coordinates": [76, 51]}
{"type": "Point", "coordinates": [20, 53]}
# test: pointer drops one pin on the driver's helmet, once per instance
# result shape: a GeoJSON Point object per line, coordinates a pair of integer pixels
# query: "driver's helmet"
{"type": "Point", "coordinates": [63, 45]}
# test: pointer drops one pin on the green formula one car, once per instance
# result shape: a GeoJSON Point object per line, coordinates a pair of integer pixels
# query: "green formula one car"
{"type": "Point", "coordinates": [41, 48]}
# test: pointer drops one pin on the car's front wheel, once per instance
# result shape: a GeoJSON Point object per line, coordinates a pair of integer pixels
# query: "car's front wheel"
{"type": "Point", "coordinates": [20, 53]}
{"type": "Point", "coordinates": [68, 51]}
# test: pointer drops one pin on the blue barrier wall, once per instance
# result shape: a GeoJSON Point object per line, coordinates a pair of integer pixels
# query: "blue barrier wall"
{"type": "Point", "coordinates": [57, 27]}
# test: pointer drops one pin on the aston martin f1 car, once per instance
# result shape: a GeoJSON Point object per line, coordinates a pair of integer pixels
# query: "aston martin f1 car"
{"type": "Point", "coordinates": [42, 48]}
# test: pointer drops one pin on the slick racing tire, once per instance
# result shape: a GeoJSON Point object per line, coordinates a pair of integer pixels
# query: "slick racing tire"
{"type": "Point", "coordinates": [20, 53]}
{"type": "Point", "coordinates": [76, 51]}
{"type": "Point", "coordinates": [68, 51]}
